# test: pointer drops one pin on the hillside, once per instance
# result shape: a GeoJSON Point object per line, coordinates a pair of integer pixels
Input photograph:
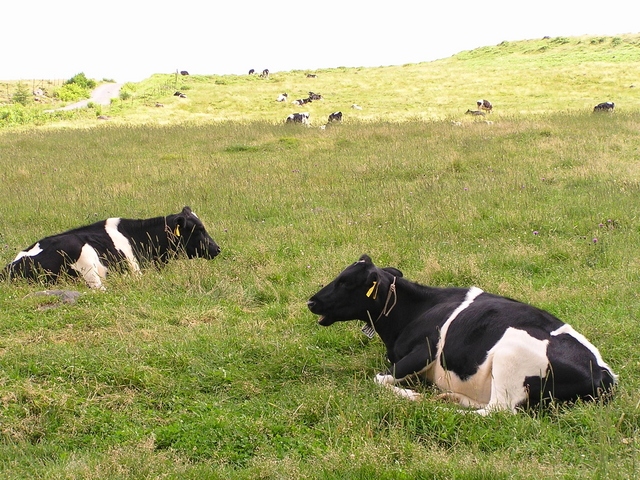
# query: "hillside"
{"type": "Point", "coordinates": [520, 78]}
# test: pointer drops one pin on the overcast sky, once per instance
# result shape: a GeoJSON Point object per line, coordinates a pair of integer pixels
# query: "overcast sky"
{"type": "Point", "coordinates": [133, 39]}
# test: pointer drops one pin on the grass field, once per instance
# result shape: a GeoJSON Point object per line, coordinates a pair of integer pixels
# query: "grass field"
{"type": "Point", "coordinates": [216, 369]}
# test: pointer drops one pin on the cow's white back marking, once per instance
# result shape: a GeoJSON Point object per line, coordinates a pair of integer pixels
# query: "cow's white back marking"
{"type": "Point", "coordinates": [32, 252]}
{"type": "Point", "coordinates": [120, 242]}
{"type": "Point", "coordinates": [471, 295]}
{"type": "Point", "coordinates": [568, 329]}
{"type": "Point", "coordinates": [89, 266]}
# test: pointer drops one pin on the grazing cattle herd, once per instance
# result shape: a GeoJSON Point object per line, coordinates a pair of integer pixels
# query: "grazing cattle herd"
{"type": "Point", "coordinates": [482, 351]}
{"type": "Point", "coordinates": [483, 106]}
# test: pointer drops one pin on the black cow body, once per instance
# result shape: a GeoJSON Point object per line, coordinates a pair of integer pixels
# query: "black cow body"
{"type": "Point", "coordinates": [335, 117]}
{"type": "Point", "coordinates": [484, 105]}
{"type": "Point", "coordinates": [90, 250]}
{"type": "Point", "coordinates": [302, 117]}
{"type": "Point", "coordinates": [483, 350]}
{"type": "Point", "coordinates": [604, 107]}
{"type": "Point", "coordinates": [302, 101]}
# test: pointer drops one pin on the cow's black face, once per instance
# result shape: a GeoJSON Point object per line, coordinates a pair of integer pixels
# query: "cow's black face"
{"type": "Point", "coordinates": [194, 237]}
{"type": "Point", "coordinates": [352, 294]}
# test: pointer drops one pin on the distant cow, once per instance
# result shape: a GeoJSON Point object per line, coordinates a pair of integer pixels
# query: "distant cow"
{"type": "Point", "coordinates": [179, 94]}
{"type": "Point", "coordinates": [282, 97]}
{"type": "Point", "coordinates": [184, 72]}
{"type": "Point", "coordinates": [252, 71]}
{"type": "Point", "coordinates": [90, 250]}
{"type": "Point", "coordinates": [302, 101]}
{"type": "Point", "coordinates": [484, 105]}
{"type": "Point", "coordinates": [311, 75]}
{"type": "Point", "coordinates": [356, 107]}
{"type": "Point", "coordinates": [335, 117]}
{"type": "Point", "coordinates": [265, 73]}
{"type": "Point", "coordinates": [298, 118]}
{"type": "Point", "coordinates": [482, 350]}
{"type": "Point", "coordinates": [315, 96]}
{"type": "Point", "coordinates": [476, 113]}
{"type": "Point", "coordinates": [604, 107]}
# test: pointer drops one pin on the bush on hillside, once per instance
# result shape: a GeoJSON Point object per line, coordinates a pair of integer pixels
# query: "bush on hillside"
{"type": "Point", "coordinates": [21, 95]}
{"type": "Point", "coordinates": [70, 92]}
{"type": "Point", "coordinates": [81, 80]}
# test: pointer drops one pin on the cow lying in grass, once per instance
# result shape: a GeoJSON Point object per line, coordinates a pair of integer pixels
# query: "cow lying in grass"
{"type": "Point", "coordinates": [482, 350]}
{"type": "Point", "coordinates": [90, 250]}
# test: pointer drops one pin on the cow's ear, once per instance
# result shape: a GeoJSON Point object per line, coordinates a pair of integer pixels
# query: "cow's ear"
{"type": "Point", "coordinates": [393, 271]}
{"type": "Point", "coordinates": [365, 258]}
{"type": "Point", "coordinates": [372, 284]}
{"type": "Point", "coordinates": [187, 211]}
{"type": "Point", "coordinates": [181, 220]}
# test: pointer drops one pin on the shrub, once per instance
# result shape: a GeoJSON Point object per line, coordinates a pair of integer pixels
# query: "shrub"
{"type": "Point", "coordinates": [21, 95]}
{"type": "Point", "coordinates": [70, 92]}
{"type": "Point", "coordinates": [81, 80]}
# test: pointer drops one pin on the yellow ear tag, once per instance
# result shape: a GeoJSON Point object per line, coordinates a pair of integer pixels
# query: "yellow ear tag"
{"type": "Point", "coordinates": [373, 290]}
{"type": "Point", "coordinates": [176, 232]}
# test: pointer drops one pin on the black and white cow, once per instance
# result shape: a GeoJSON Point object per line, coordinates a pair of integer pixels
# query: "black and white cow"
{"type": "Point", "coordinates": [315, 96]}
{"type": "Point", "coordinates": [282, 97]}
{"type": "Point", "coordinates": [90, 250]}
{"type": "Point", "coordinates": [475, 113]}
{"type": "Point", "coordinates": [301, 101]}
{"type": "Point", "coordinates": [604, 107]}
{"type": "Point", "coordinates": [484, 105]}
{"type": "Point", "coordinates": [298, 118]}
{"type": "Point", "coordinates": [335, 117]}
{"type": "Point", "coordinates": [482, 350]}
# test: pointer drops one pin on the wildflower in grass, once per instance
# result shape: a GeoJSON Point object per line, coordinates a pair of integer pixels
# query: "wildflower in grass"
{"type": "Point", "coordinates": [535, 232]}
{"type": "Point", "coordinates": [595, 240]}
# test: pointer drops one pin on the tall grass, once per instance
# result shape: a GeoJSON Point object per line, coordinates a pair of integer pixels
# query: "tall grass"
{"type": "Point", "coordinates": [216, 369]}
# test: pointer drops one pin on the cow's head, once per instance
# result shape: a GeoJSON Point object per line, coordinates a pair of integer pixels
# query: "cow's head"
{"type": "Point", "coordinates": [189, 233]}
{"type": "Point", "coordinates": [359, 291]}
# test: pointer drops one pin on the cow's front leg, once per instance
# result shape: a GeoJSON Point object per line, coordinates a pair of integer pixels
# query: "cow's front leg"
{"type": "Point", "coordinates": [389, 381]}
{"type": "Point", "coordinates": [409, 366]}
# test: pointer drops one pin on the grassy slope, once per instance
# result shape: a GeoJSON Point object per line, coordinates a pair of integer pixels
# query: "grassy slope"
{"type": "Point", "coordinates": [527, 77]}
{"type": "Point", "coordinates": [216, 369]}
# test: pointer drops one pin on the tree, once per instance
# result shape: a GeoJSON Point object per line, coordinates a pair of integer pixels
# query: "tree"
{"type": "Point", "coordinates": [21, 95]}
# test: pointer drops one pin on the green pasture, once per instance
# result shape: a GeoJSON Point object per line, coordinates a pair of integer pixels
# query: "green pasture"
{"type": "Point", "coordinates": [216, 369]}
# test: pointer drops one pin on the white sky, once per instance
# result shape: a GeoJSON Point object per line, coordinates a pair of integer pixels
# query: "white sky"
{"type": "Point", "coordinates": [129, 40]}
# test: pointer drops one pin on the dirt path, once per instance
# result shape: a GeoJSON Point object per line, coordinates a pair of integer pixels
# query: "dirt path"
{"type": "Point", "coordinates": [102, 95]}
